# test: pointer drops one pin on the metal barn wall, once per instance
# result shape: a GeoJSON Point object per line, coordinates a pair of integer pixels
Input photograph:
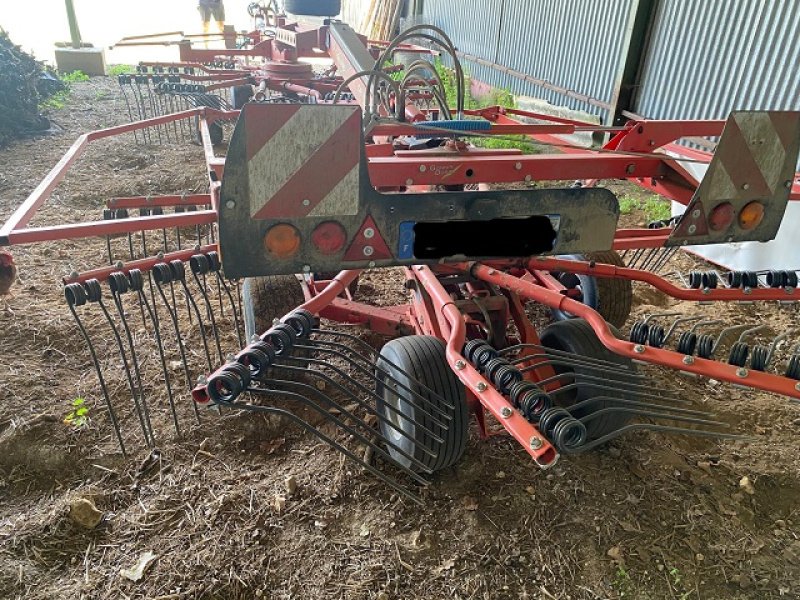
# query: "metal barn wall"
{"type": "Point", "coordinates": [574, 44]}
{"type": "Point", "coordinates": [707, 58]}
{"type": "Point", "coordinates": [704, 57]}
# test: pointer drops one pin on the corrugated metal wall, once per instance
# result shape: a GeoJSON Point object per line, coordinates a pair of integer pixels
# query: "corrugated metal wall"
{"type": "Point", "coordinates": [707, 58]}
{"type": "Point", "coordinates": [574, 44]}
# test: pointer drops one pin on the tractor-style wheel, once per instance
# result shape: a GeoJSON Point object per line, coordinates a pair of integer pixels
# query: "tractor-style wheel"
{"type": "Point", "coordinates": [265, 299]}
{"type": "Point", "coordinates": [314, 8]}
{"type": "Point", "coordinates": [612, 298]}
{"type": "Point", "coordinates": [423, 359]}
{"type": "Point", "coordinates": [577, 337]}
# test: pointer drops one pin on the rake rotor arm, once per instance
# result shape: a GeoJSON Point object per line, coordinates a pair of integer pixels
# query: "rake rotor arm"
{"type": "Point", "coordinates": [657, 356]}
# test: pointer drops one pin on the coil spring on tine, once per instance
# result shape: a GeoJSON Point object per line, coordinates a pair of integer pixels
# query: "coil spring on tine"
{"type": "Point", "coordinates": [471, 347]}
{"type": "Point", "coordinates": [213, 260]}
{"type": "Point", "coordinates": [791, 279]}
{"type": "Point", "coordinates": [734, 279]}
{"type": "Point", "coordinates": [775, 279]}
{"type": "Point", "coordinates": [738, 354]}
{"type": "Point", "coordinates": [505, 376]}
{"type": "Point", "coordinates": [709, 280]}
{"type": "Point", "coordinates": [758, 358]}
{"type": "Point", "coordinates": [162, 273]}
{"type": "Point", "coordinates": [118, 282]}
{"type": "Point", "coordinates": [562, 429]}
{"type": "Point", "coordinates": [226, 385]}
{"type": "Point", "coordinates": [695, 279]}
{"type": "Point", "coordinates": [75, 294]}
{"type": "Point", "coordinates": [493, 365]}
{"type": "Point", "coordinates": [301, 322]}
{"type": "Point", "coordinates": [687, 342]}
{"type": "Point", "coordinates": [178, 270]}
{"type": "Point", "coordinates": [136, 280]}
{"type": "Point", "coordinates": [199, 264]}
{"type": "Point", "coordinates": [639, 332]}
{"type": "Point", "coordinates": [705, 346]}
{"type": "Point", "coordinates": [530, 399]}
{"type": "Point", "coordinates": [793, 367]}
{"type": "Point", "coordinates": [483, 355]}
{"type": "Point", "coordinates": [282, 337]}
{"type": "Point", "coordinates": [255, 360]}
{"type": "Point", "coordinates": [655, 337]}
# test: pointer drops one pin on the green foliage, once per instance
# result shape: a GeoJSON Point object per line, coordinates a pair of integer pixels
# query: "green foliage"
{"type": "Point", "coordinates": [622, 583]}
{"type": "Point", "coordinates": [115, 70]}
{"type": "Point", "coordinates": [78, 417]}
{"type": "Point", "coordinates": [74, 77]}
{"type": "Point", "coordinates": [56, 101]}
{"type": "Point", "coordinates": [655, 208]}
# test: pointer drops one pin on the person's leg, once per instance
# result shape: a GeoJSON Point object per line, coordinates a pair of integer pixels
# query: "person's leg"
{"type": "Point", "coordinates": [205, 15]}
{"type": "Point", "coordinates": [219, 16]}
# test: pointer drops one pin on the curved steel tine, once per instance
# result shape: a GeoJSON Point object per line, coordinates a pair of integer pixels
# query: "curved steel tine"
{"type": "Point", "coordinates": [160, 346]}
{"type": "Point", "coordinates": [622, 401]}
{"type": "Point", "coordinates": [347, 428]}
{"type": "Point", "coordinates": [548, 352]}
{"type": "Point", "coordinates": [652, 414]}
{"type": "Point", "coordinates": [587, 380]}
{"type": "Point", "coordinates": [173, 315]}
{"type": "Point", "coordinates": [677, 322]}
{"type": "Point", "coordinates": [369, 374]}
{"type": "Point", "coordinates": [673, 313]}
{"type": "Point", "coordinates": [359, 385]}
{"type": "Point", "coordinates": [371, 350]}
{"type": "Point", "coordinates": [237, 324]}
{"type": "Point", "coordinates": [137, 371]}
{"type": "Point", "coordinates": [331, 442]}
{"type": "Point", "coordinates": [365, 405]}
{"type": "Point", "coordinates": [774, 345]}
{"type": "Point", "coordinates": [210, 312]}
{"type": "Point", "coordinates": [751, 331]}
{"type": "Point", "coordinates": [654, 427]}
{"type": "Point", "coordinates": [576, 360]}
{"type": "Point", "coordinates": [724, 334]}
{"type": "Point", "coordinates": [103, 387]}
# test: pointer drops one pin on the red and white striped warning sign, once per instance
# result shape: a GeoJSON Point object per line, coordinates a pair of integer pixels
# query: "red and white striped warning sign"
{"type": "Point", "coordinates": [303, 160]}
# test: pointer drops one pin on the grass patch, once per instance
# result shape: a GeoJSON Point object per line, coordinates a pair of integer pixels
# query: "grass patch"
{"type": "Point", "coordinates": [115, 70]}
{"type": "Point", "coordinates": [74, 77]}
{"type": "Point", "coordinates": [58, 100]}
{"type": "Point", "coordinates": [655, 208]}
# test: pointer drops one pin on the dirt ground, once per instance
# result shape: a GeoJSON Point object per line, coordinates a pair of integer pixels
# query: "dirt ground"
{"type": "Point", "coordinates": [650, 516]}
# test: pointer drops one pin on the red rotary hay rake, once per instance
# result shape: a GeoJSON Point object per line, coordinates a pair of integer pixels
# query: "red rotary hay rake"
{"type": "Point", "coordinates": [365, 166]}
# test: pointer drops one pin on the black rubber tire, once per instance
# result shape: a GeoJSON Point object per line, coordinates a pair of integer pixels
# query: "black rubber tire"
{"type": "Point", "coordinates": [240, 95]}
{"type": "Point", "coordinates": [577, 337]}
{"type": "Point", "coordinates": [422, 357]}
{"type": "Point", "coordinates": [612, 298]}
{"type": "Point", "coordinates": [314, 8]}
{"type": "Point", "coordinates": [265, 299]}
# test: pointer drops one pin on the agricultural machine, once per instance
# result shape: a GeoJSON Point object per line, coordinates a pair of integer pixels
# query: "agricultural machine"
{"type": "Point", "coordinates": [236, 299]}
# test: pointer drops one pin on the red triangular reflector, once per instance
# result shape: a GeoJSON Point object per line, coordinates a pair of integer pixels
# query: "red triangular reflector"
{"type": "Point", "coordinates": [368, 244]}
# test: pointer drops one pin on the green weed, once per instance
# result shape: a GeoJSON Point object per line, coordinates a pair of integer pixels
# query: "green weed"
{"type": "Point", "coordinates": [78, 417]}
{"type": "Point", "coordinates": [622, 583]}
{"type": "Point", "coordinates": [56, 101]}
{"type": "Point", "coordinates": [115, 70]}
{"type": "Point", "coordinates": [74, 77]}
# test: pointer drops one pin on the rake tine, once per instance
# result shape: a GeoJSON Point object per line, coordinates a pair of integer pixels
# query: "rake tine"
{"type": "Point", "coordinates": [199, 265]}
{"type": "Point", "coordinates": [653, 427]}
{"type": "Point", "coordinates": [369, 349]}
{"type": "Point", "coordinates": [636, 403]}
{"type": "Point", "coordinates": [651, 414]}
{"type": "Point", "coordinates": [125, 365]}
{"type": "Point", "coordinates": [162, 274]}
{"type": "Point", "coordinates": [646, 262]}
{"type": "Point", "coordinates": [330, 441]}
{"type": "Point", "coordinates": [221, 282]}
{"type": "Point", "coordinates": [575, 361]}
{"type": "Point", "coordinates": [347, 428]}
{"type": "Point", "coordinates": [364, 371]}
{"type": "Point", "coordinates": [675, 324]}
{"type": "Point", "coordinates": [137, 285]}
{"type": "Point", "coordinates": [128, 104]}
{"type": "Point", "coordinates": [346, 377]}
{"type": "Point", "coordinates": [179, 274]}
{"type": "Point", "coordinates": [367, 406]}
{"type": "Point", "coordinates": [75, 294]}
{"type": "Point", "coordinates": [119, 284]}
{"type": "Point", "coordinates": [561, 353]}
{"type": "Point", "coordinates": [153, 107]}
{"type": "Point", "coordinates": [108, 214]}
{"type": "Point", "coordinates": [642, 391]}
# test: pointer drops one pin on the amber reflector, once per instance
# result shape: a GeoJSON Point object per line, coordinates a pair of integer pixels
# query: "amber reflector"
{"type": "Point", "coordinates": [282, 240]}
{"type": "Point", "coordinates": [751, 215]}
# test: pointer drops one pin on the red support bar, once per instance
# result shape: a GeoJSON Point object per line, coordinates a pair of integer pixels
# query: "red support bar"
{"type": "Point", "coordinates": [160, 201]}
{"type": "Point", "coordinates": [144, 264]}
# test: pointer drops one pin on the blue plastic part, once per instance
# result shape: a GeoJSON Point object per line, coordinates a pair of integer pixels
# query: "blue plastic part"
{"type": "Point", "coordinates": [405, 245]}
{"type": "Point", "coordinates": [458, 124]}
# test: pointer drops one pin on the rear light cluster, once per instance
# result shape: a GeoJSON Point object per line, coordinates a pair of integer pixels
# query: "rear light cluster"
{"type": "Point", "coordinates": [723, 215]}
{"type": "Point", "coordinates": [284, 240]}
